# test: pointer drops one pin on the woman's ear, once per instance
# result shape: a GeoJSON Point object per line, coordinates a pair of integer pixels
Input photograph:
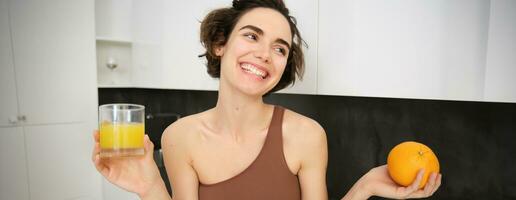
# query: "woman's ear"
{"type": "Point", "coordinates": [219, 51]}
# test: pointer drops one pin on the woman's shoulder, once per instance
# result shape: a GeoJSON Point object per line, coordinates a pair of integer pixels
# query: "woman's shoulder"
{"type": "Point", "coordinates": [183, 130]}
{"type": "Point", "coordinates": [304, 140]}
{"type": "Point", "coordinates": [301, 128]}
{"type": "Point", "coordinates": [296, 121]}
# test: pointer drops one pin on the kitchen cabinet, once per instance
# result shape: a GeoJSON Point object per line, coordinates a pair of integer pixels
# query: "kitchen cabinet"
{"type": "Point", "coordinates": [113, 20]}
{"type": "Point", "coordinates": [13, 168]}
{"type": "Point", "coordinates": [403, 49]}
{"type": "Point", "coordinates": [53, 58]}
{"type": "Point", "coordinates": [59, 162]}
{"type": "Point", "coordinates": [306, 13]}
{"type": "Point", "coordinates": [500, 84]}
{"type": "Point", "coordinates": [9, 105]}
{"type": "Point", "coordinates": [400, 49]}
{"type": "Point", "coordinates": [146, 46]}
{"type": "Point", "coordinates": [51, 85]}
{"type": "Point", "coordinates": [114, 30]}
{"type": "Point", "coordinates": [181, 66]}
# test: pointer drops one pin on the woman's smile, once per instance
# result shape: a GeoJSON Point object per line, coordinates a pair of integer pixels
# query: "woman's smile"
{"type": "Point", "coordinates": [254, 70]}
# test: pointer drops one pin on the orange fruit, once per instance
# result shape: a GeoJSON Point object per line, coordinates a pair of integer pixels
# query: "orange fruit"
{"type": "Point", "coordinates": [407, 158]}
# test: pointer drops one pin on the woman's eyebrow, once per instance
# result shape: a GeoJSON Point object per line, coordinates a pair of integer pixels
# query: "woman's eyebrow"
{"type": "Point", "coordinates": [260, 32]}
{"type": "Point", "coordinates": [254, 28]}
{"type": "Point", "coordinates": [282, 41]}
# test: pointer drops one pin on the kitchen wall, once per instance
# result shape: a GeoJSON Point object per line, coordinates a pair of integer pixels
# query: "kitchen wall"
{"type": "Point", "coordinates": [474, 141]}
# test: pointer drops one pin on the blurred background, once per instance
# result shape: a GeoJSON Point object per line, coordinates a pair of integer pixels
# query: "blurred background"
{"type": "Point", "coordinates": [377, 73]}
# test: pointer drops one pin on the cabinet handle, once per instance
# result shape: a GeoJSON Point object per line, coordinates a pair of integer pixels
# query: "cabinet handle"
{"type": "Point", "coordinates": [17, 119]}
{"type": "Point", "coordinates": [22, 118]}
{"type": "Point", "coordinates": [13, 120]}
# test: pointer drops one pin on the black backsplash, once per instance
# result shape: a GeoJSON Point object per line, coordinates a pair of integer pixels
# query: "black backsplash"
{"type": "Point", "coordinates": [474, 141]}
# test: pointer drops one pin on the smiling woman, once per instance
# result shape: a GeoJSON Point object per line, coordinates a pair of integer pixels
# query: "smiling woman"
{"type": "Point", "coordinates": [218, 24]}
{"type": "Point", "coordinates": [243, 148]}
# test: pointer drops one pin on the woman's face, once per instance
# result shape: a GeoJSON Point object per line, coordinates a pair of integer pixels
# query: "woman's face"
{"type": "Point", "coordinates": [255, 55]}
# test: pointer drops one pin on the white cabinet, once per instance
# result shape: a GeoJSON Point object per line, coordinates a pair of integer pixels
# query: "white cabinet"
{"type": "Point", "coordinates": [13, 168]}
{"type": "Point", "coordinates": [59, 162]}
{"type": "Point", "coordinates": [500, 81]}
{"type": "Point", "coordinates": [181, 66]}
{"type": "Point", "coordinates": [50, 79]}
{"type": "Point", "coordinates": [403, 49]}
{"type": "Point", "coordinates": [8, 105]}
{"type": "Point", "coordinates": [146, 46]}
{"type": "Point", "coordinates": [113, 30]}
{"type": "Point", "coordinates": [53, 57]}
{"type": "Point", "coordinates": [164, 44]}
{"type": "Point", "coordinates": [113, 19]}
{"type": "Point", "coordinates": [306, 12]}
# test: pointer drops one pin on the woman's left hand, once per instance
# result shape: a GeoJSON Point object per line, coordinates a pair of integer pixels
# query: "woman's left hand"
{"type": "Point", "coordinates": [378, 183]}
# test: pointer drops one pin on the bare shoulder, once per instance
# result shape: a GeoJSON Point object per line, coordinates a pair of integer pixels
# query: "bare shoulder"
{"type": "Point", "coordinates": [176, 145]}
{"type": "Point", "coordinates": [302, 127]}
{"type": "Point", "coordinates": [305, 142]}
{"type": "Point", "coordinates": [181, 133]}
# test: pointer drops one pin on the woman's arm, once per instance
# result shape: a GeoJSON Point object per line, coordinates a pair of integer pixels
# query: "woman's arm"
{"type": "Point", "coordinates": [182, 176]}
{"type": "Point", "coordinates": [357, 192]}
{"type": "Point", "coordinates": [311, 146]}
{"type": "Point", "coordinates": [158, 191]}
{"type": "Point", "coordinates": [312, 174]}
{"type": "Point", "coordinates": [309, 142]}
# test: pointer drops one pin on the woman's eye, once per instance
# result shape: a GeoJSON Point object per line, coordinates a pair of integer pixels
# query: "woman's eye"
{"type": "Point", "coordinates": [251, 36]}
{"type": "Point", "coordinates": [281, 50]}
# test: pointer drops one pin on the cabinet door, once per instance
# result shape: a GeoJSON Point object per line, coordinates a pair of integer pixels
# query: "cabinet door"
{"type": "Point", "coordinates": [59, 162]}
{"type": "Point", "coordinates": [146, 46]}
{"type": "Point", "coordinates": [54, 56]}
{"type": "Point", "coordinates": [500, 83]}
{"type": "Point", "coordinates": [305, 12]}
{"type": "Point", "coordinates": [113, 19]}
{"type": "Point", "coordinates": [407, 49]}
{"type": "Point", "coordinates": [181, 66]}
{"type": "Point", "coordinates": [9, 105]}
{"type": "Point", "coordinates": [13, 168]}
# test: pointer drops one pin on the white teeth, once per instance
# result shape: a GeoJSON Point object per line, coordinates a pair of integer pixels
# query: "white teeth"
{"type": "Point", "coordinates": [254, 70]}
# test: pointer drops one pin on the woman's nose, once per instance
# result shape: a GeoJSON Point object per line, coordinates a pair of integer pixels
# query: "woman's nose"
{"type": "Point", "coordinates": [262, 52]}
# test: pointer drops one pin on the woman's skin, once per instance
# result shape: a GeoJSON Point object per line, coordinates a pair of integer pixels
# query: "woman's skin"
{"type": "Point", "coordinates": [220, 143]}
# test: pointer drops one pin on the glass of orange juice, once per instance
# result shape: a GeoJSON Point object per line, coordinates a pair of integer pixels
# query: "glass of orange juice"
{"type": "Point", "coordinates": [122, 129]}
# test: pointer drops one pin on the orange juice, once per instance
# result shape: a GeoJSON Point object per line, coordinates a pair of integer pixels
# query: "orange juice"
{"type": "Point", "coordinates": [121, 139]}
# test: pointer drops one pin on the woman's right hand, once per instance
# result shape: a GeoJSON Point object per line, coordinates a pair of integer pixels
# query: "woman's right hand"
{"type": "Point", "coordinates": [137, 174]}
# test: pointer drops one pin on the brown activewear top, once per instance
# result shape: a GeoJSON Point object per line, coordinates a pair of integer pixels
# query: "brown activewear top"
{"type": "Point", "coordinates": [267, 178]}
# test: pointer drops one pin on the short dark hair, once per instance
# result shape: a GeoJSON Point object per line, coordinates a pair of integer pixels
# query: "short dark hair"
{"type": "Point", "coordinates": [218, 25]}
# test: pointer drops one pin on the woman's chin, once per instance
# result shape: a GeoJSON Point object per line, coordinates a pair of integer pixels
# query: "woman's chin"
{"type": "Point", "coordinates": [252, 88]}
{"type": "Point", "coordinates": [253, 91]}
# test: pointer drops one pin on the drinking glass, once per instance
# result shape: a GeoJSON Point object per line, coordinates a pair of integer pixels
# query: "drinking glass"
{"type": "Point", "coordinates": [122, 128]}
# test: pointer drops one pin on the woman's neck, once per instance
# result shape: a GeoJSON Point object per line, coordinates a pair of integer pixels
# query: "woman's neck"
{"type": "Point", "coordinates": [237, 113]}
